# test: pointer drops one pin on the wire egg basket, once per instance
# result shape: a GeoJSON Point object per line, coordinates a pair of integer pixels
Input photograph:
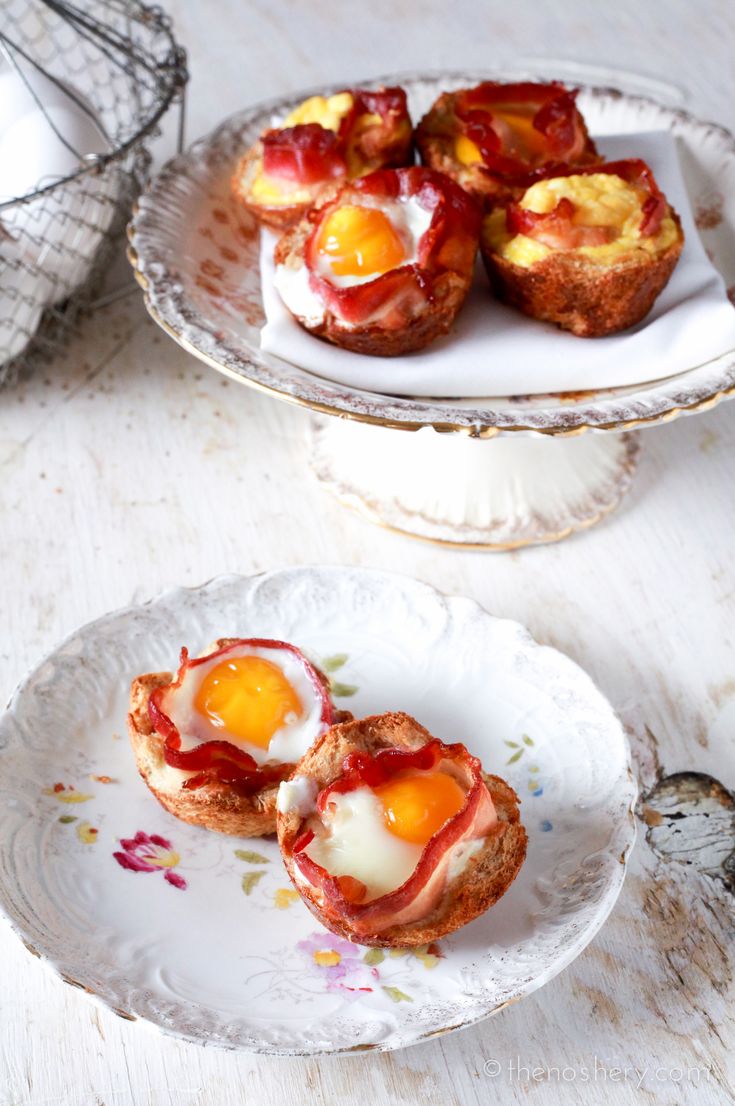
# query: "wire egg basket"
{"type": "Point", "coordinates": [82, 90]}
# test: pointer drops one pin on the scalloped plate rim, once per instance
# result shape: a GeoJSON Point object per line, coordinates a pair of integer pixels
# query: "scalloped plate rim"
{"type": "Point", "coordinates": [345, 401]}
{"type": "Point", "coordinates": [614, 885]}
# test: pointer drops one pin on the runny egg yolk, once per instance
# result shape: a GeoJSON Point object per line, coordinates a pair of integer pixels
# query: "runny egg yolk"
{"type": "Point", "coordinates": [466, 151]}
{"type": "Point", "coordinates": [249, 698]}
{"type": "Point", "coordinates": [521, 138]}
{"type": "Point", "coordinates": [360, 241]}
{"type": "Point", "coordinates": [417, 804]}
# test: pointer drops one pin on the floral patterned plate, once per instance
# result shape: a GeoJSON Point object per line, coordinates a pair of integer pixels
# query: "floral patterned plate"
{"type": "Point", "coordinates": [202, 934]}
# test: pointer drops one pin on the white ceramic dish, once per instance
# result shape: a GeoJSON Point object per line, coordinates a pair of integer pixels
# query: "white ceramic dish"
{"type": "Point", "coordinates": [206, 939]}
{"type": "Point", "coordinates": [196, 256]}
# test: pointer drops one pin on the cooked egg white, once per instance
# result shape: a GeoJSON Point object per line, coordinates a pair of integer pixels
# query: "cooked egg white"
{"type": "Point", "coordinates": [602, 199]}
{"type": "Point", "coordinates": [357, 843]}
{"type": "Point", "coordinates": [301, 726]}
{"type": "Point", "coordinates": [292, 285]}
{"type": "Point", "coordinates": [408, 218]}
{"type": "Point", "coordinates": [297, 795]}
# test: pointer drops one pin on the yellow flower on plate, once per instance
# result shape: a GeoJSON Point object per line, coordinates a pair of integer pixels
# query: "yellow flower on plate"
{"type": "Point", "coordinates": [66, 794]}
{"type": "Point", "coordinates": [327, 958]}
{"type": "Point", "coordinates": [86, 833]}
{"type": "Point", "coordinates": [284, 896]}
{"type": "Point", "coordinates": [163, 858]}
{"type": "Point", "coordinates": [427, 958]}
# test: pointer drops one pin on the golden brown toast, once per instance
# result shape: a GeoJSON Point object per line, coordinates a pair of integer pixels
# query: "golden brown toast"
{"type": "Point", "coordinates": [574, 293]}
{"type": "Point", "coordinates": [486, 876]}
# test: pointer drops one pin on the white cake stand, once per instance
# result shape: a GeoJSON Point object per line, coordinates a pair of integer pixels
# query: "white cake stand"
{"type": "Point", "coordinates": [496, 473]}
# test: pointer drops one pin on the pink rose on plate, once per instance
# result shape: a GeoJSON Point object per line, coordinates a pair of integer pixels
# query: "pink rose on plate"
{"type": "Point", "coordinates": [150, 853]}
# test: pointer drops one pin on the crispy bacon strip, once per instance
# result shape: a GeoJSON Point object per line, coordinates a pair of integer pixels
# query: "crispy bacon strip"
{"type": "Point", "coordinates": [308, 153]}
{"type": "Point", "coordinates": [221, 761]}
{"type": "Point", "coordinates": [421, 892]}
{"type": "Point", "coordinates": [304, 154]}
{"type": "Point", "coordinates": [556, 229]}
{"type": "Point", "coordinates": [389, 103]}
{"type": "Point", "coordinates": [361, 769]}
{"type": "Point", "coordinates": [449, 243]}
{"type": "Point", "coordinates": [635, 171]}
{"type": "Point", "coordinates": [382, 143]}
{"type": "Point", "coordinates": [552, 112]}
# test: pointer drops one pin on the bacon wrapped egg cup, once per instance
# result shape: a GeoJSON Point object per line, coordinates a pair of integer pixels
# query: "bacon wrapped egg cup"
{"type": "Point", "coordinates": [214, 742]}
{"type": "Point", "coordinates": [498, 138]}
{"type": "Point", "coordinates": [384, 265]}
{"type": "Point", "coordinates": [589, 251]}
{"type": "Point", "coordinates": [324, 141]}
{"type": "Point", "coordinates": [393, 838]}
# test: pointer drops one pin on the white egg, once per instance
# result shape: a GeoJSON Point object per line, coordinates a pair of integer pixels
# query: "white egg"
{"type": "Point", "coordinates": [24, 294]}
{"type": "Point", "coordinates": [410, 219]}
{"type": "Point", "coordinates": [34, 143]}
{"type": "Point", "coordinates": [287, 745]}
{"type": "Point", "coordinates": [59, 234]}
{"type": "Point", "coordinates": [357, 843]}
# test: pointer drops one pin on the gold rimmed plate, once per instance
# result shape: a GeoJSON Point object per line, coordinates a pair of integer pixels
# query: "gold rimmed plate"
{"type": "Point", "coordinates": [195, 253]}
{"type": "Point", "coordinates": [203, 935]}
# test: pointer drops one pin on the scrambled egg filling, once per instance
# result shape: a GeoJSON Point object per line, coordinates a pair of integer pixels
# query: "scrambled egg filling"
{"type": "Point", "coordinates": [267, 191]}
{"type": "Point", "coordinates": [601, 199]}
{"type": "Point", "coordinates": [329, 113]}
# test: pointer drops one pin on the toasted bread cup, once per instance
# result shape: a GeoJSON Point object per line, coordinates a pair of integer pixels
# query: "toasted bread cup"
{"type": "Point", "coordinates": [591, 278]}
{"type": "Point", "coordinates": [202, 785]}
{"type": "Point", "coordinates": [278, 215]}
{"type": "Point", "coordinates": [466, 866]}
{"type": "Point", "coordinates": [322, 142]}
{"type": "Point", "coordinates": [398, 275]}
{"type": "Point", "coordinates": [497, 138]}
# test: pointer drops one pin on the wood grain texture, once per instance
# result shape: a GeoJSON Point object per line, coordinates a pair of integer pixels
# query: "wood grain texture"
{"type": "Point", "coordinates": [128, 467]}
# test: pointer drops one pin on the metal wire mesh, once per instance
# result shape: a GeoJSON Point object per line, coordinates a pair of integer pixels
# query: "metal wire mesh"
{"type": "Point", "coordinates": [115, 67]}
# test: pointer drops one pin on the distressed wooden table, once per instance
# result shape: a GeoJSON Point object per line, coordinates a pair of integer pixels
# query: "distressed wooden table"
{"type": "Point", "coordinates": [127, 467]}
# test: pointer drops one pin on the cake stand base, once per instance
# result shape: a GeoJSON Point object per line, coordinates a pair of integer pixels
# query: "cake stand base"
{"type": "Point", "coordinates": [496, 494]}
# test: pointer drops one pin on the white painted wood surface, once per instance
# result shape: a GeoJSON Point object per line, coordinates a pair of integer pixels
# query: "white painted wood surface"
{"type": "Point", "coordinates": [127, 467]}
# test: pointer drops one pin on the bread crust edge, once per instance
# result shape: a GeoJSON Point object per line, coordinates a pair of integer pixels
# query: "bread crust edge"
{"type": "Point", "coordinates": [432, 144]}
{"type": "Point", "coordinates": [436, 319]}
{"type": "Point", "coordinates": [214, 806]}
{"type": "Point", "coordinates": [589, 300]}
{"type": "Point", "coordinates": [488, 874]}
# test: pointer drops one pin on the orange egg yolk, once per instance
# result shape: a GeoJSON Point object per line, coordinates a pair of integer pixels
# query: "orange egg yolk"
{"type": "Point", "coordinates": [522, 140]}
{"type": "Point", "coordinates": [249, 698]}
{"type": "Point", "coordinates": [360, 241]}
{"type": "Point", "coordinates": [417, 804]}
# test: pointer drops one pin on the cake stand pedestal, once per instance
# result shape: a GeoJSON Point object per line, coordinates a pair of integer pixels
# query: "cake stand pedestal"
{"type": "Point", "coordinates": [503, 493]}
{"type": "Point", "coordinates": [493, 472]}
